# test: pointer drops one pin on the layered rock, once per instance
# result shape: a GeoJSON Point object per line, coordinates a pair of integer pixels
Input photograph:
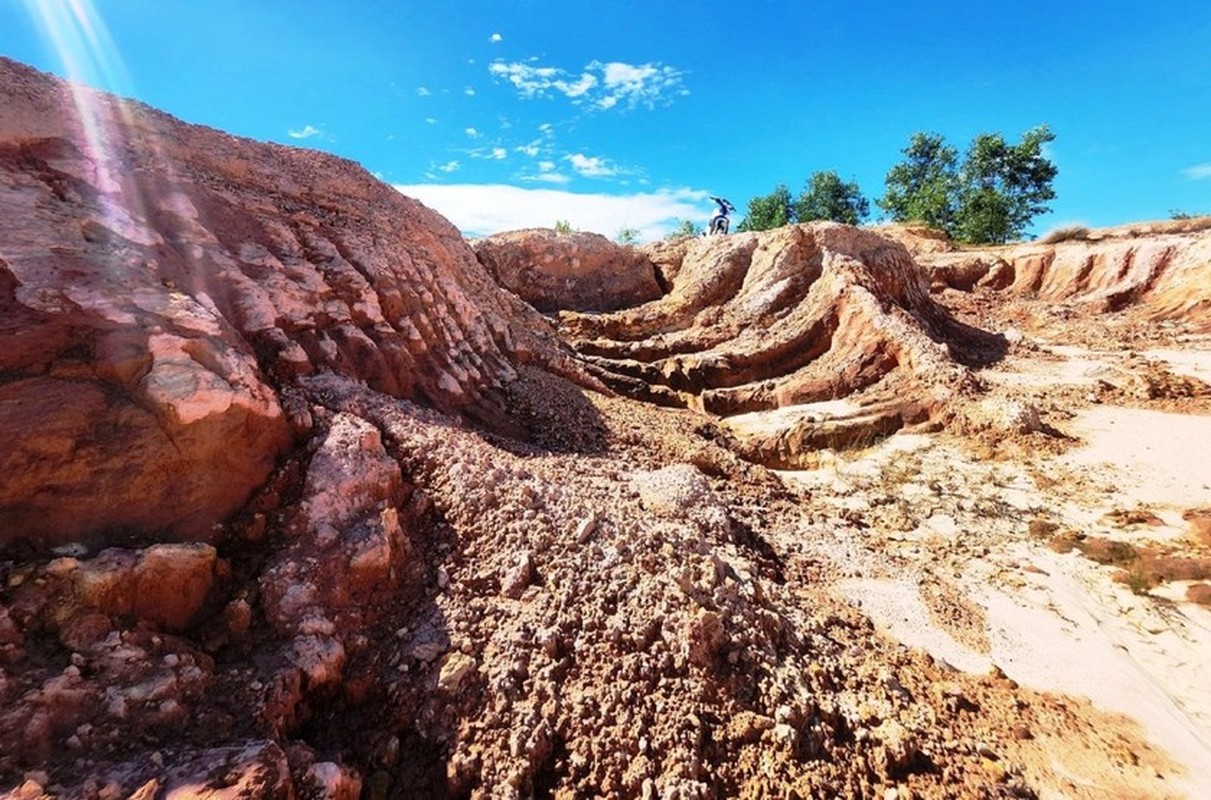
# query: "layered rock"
{"type": "Point", "coordinates": [1160, 267]}
{"type": "Point", "coordinates": [161, 283]}
{"type": "Point", "coordinates": [577, 271]}
{"type": "Point", "coordinates": [787, 320]}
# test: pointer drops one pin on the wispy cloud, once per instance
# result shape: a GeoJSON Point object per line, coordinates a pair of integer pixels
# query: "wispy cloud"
{"type": "Point", "coordinates": [645, 84]}
{"type": "Point", "coordinates": [469, 92]}
{"type": "Point", "coordinates": [547, 173]}
{"type": "Point", "coordinates": [591, 167]}
{"type": "Point", "coordinates": [472, 132]}
{"type": "Point", "coordinates": [449, 166]}
{"type": "Point", "coordinates": [600, 85]}
{"type": "Point", "coordinates": [306, 132]}
{"type": "Point", "coordinates": [499, 153]}
{"type": "Point", "coordinates": [1198, 172]}
{"type": "Point", "coordinates": [484, 209]}
{"type": "Point", "coordinates": [422, 91]}
{"type": "Point", "coordinates": [431, 120]}
{"type": "Point", "coordinates": [496, 37]}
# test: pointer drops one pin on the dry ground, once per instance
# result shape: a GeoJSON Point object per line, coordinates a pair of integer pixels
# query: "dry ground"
{"type": "Point", "coordinates": [1058, 533]}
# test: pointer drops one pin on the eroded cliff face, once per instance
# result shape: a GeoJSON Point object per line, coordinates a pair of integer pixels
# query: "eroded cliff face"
{"type": "Point", "coordinates": [162, 287]}
{"type": "Point", "coordinates": [801, 337]}
{"type": "Point", "coordinates": [1160, 267]}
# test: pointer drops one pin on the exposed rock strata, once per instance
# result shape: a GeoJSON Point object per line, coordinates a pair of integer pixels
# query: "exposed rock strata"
{"type": "Point", "coordinates": [786, 319]}
{"type": "Point", "coordinates": [1160, 267]}
{"type": "Point", "coordinates": [160, 282]}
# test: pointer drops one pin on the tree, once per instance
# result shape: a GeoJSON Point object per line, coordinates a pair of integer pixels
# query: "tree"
{"type": "Point", "coordinates": [991, 197]}
{"type": "Point", "coordinates": [627, 236]}
{"type": "Point", "coordinates": [684, 228]}
{"type": "Point", "coordinates": [826, 196]}
{"type": "Point", "coordinates": [923, 187]}
{"type": "Point", "coordinates": [769, 211]}
{"type": "Point", "coordinates": [563, 226]}
{"type": "Point", "coordinates": [1004, 186]}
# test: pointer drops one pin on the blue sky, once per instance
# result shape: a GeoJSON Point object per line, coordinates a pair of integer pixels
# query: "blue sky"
{"type": "Point", "coordinates": [504, 114]}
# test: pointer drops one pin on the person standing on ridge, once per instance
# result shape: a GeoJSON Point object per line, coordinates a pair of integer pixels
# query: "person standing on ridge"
{"type": "Point", "coordinates": [719, 220]}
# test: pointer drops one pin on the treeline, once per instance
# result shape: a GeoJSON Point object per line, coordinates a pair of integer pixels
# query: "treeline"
{"type": "Point", "coordinates": [989, 195]}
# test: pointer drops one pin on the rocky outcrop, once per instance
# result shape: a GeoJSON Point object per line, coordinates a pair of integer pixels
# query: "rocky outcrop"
{"type": "Point", "coordinates": [576, 271]}
{"type": "Point", "coordinates": [162, 284]}
{"type": "Point", "coordinates": [1159, 267]}
{"type": "Point", "coordinates": [768, 329]}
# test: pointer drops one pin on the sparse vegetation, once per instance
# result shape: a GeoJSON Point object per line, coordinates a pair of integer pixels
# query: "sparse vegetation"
{"type": "Point", "coordinates": [684, 228]}
{"type": "Point", "coordinates": [563, 226]}
{"type": "Point", "coordinates": [627, 236]}
{"type": "Point", "coordinates": [1066, 234]}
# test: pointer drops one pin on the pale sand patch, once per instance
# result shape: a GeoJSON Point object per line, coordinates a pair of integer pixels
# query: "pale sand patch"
{"type": "Point", "coordinates": [1192, 363]}
{"type": "Point", "coordinates": [1149, 457]}
{"type": "Point", "coordinates": [1060, 638]}
{"type": "Point", "coordinates": [1068, 628]}
{"type": "Point", "coordinates": [897, 606]}
{"type": "Point", "coordinates": [1118, 652]}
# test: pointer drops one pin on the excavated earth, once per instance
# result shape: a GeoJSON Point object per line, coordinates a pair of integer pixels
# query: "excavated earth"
{"type": "Point", "coordinates": [305, 496]}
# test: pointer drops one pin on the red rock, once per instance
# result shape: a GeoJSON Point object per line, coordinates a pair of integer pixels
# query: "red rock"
{"type": "Point", "coordinates": [160, 282]}
{"type": "Point", "coordinates": [575, 271]}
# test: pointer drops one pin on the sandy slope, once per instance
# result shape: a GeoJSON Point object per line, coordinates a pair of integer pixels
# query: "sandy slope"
{"type": "Point", "coordinates": [945, 516]}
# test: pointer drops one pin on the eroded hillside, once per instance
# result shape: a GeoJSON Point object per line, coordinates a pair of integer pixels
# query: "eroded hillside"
{"type": "Point", "coordinates": [299, 502]}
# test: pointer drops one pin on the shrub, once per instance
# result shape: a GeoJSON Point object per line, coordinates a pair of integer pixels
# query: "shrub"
{"type": "Point", "coordinates": [1065, 234]}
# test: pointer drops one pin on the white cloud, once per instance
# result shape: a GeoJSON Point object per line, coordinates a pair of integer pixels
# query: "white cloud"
{"type": "Point", "coordinates": [499, 153]}
{"type": "Point", "coordinates": [1198, 172]}
{"type": "Point", "coordinates": [601, 85]}
{"type": "Point", "coordinates": [546, 166]}
{"type": "Point", "coordinates": [529, 81]}
{"type": "Point", "coordinates": [578, 87]}
{"type": "Point", "coordinates": [532, 149]}
{"type": "Point", "coordinates": [469, 92]}
{"type": "Point", "coordinates": [449, 166]}
{"type": "Point", "coordinates": [484, 209]}
{"type": "Point", "coordinates": [306, 132]}
{"type": "Point", "coordinates": [431, 120]}
{"type": "Point", "coordinates": [496, 37]}
{"type": "Point", "coordinates": [591, 167]}
{"type": "Point", "coordinates": [472, 132]}
{"type": "Point", "coordinates": [422, 91]}
{"type": "Point", "coordinates": [645, 84]}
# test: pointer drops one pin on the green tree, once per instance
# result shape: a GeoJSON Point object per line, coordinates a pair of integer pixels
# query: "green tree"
{"type": "Point", "coordinates": [992, 196]}
{"type": "Point", "coordinates": [1003, 186]}
{"type": "Point", "coordinates": [684, 228]}
{"type": "Point", "coordinates": [769, 211]}
{"type": "Point", "coordinates": [924, 186]}
{"type": "Point", "coordinates": [627, 236]}
{"type": "Point", "coordinates": [826, 196]}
